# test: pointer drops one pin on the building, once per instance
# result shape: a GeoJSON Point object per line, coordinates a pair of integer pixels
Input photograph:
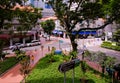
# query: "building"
{"type": "Point", "coordinates": [47, 10]}
{"type": "Point", "coordinates": [13, 36]}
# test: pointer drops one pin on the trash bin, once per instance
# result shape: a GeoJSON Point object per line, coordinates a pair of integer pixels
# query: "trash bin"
{"type": "Point", "coordinates": [58, 52]}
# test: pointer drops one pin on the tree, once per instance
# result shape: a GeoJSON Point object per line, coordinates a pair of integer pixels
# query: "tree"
{"type": "Point", "coordinates": [1, 50]}
{"type": "Point", "coordinates": [48, 26]}
{"type": "Point", "coordinates": [28, 18]}
{"type": "Point", "coordinates": [6, 12]}
{"type": "Point", "coordinates": [73, 12]}
{"type": "Point", "coordinates": [25, 65]}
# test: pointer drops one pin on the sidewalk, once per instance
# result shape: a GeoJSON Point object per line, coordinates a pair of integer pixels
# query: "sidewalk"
{"type": "Point", "coordinates": [13, 75]}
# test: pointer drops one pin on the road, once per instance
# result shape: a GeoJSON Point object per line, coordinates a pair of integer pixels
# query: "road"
{"type": "Point", "coordinates": [65, 45]}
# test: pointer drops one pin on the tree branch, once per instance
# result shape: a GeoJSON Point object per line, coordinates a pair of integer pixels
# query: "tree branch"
{"type": "Point", "coordinates": [79, 4]}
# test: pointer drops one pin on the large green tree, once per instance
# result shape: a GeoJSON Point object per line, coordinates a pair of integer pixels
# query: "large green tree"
{"type": "Point", "coordinates": [72, 12]}
{"type": "Point", "coordinates": [6, 12]}
{"type": "Point", "coordinates": [48, 26]}
{"type": "Point", "coordinates": [28, 18]}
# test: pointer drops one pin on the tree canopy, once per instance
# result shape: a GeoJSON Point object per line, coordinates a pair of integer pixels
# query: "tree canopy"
{"type": "Point", "coordinates": [48, 26]}
{"type": "Point", "coordinates": [6, 12]}
{"type": "Point", "coordinates": [73, 12]}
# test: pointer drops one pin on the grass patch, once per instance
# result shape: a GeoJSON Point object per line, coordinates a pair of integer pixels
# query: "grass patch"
{"type": "Point", "coordinates": [45, 72]}
{"type": "Point", "coordinates": [7, 64]}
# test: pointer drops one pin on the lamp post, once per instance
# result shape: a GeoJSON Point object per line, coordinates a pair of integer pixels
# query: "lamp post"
{"type": "Point", "coordinates": [106, 34]}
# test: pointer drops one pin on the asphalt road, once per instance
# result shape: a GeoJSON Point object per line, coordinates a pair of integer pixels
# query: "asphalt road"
{"type": "Point", "coordinates": [65, 45]}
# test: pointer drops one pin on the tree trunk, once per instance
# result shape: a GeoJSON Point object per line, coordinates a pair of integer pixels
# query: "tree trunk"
{"type": "Point", "coordinates": [74, 44]}
{"type": "Point", "coordinates": [1, 23]}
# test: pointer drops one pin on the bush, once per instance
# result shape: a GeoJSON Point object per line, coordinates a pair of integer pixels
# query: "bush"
{"type": "Point", "coordinates": [110, 46]}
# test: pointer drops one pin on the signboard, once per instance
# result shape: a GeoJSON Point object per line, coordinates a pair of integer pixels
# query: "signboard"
{"type": "Point", "coordinates": [68, 65]}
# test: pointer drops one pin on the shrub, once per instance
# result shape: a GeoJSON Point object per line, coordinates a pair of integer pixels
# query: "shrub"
{"type": "Point", "coordinates": [110, 46]}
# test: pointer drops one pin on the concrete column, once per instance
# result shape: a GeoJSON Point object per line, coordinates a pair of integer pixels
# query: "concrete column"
{"type": "Point", "coordinates": [34, 36]}
{"type": "Point", "coordinates": [11, 41]}
{"type": "Point", "coordinates": [23, 40]}
{"type": "Point", "coordinates": [64, 35]}
{"type": "Point", "coordinates": [106, 39]}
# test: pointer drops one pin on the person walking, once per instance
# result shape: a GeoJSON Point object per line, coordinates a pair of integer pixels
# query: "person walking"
{"type": "Point", "coordinates": [32, 59]}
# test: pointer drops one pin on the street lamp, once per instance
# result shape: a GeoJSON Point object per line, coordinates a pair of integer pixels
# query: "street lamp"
{"type": "Point", "coordinates": [106, 34]}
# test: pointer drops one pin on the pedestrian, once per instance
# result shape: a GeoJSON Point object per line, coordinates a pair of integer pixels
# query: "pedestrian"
{"type": "Point", "coordinates": [48, 48]}
{"type": "Point", "coordinates": [32, 59]}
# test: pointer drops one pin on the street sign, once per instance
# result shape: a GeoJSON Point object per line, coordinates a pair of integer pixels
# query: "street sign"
{"type": "Point", "coordinates": [68, 65]}
{"type": "Point", "coordinates": [60, 41]}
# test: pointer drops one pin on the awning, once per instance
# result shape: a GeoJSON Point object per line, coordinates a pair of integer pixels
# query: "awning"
{"type": "Point", "coordinates": [85, 32]}
{"type": "Point", "coordinates": [57, 32]}
{"type": "Point", "coordinates": [54, 31]}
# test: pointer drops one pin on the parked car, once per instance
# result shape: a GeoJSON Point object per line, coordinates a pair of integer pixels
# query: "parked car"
{"type": "Point", "coordinates": [34, 43]}
{"type": "Point", "coordinates": [20, 45]}
{"type": "Point", "coordinates": [12, 47]}
{"type": "Point", "coordinates": [17, 45]}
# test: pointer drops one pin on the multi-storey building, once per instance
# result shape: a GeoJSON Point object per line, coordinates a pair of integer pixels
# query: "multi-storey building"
{"type": "Point", "coordinates": [47, 10]}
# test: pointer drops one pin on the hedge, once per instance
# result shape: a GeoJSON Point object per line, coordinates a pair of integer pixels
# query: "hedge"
{"type": "Point", "coordinates": [110, 46]}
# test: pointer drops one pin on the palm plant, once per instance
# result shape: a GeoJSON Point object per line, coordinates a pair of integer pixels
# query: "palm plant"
{"type": "Point", "coordinates": [25, 66]}
{"type": "Point", "coordinates": [1, 50]}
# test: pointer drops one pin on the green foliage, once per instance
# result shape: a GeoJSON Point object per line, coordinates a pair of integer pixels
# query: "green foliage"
{"type": "Point", "coordinates": [5, 10]}
{"type": "Point", "coordinates": [28, 18]}
{"type": "Point", "coordinates": [51, 57]}
{"type": "Point", "coordinates": [91, 10]}
{"type": "Point", "coordinates": [1, 49]}
{"type": "Point", "coordinates": [87, 53]}
{"type": "Point", "coordinates": [48, 26]}
{"type": "Point", "coordinates": [84, 10]}
{"type": "Point", "coordinates": [7, 64]}
{"type": "Point", "coordinates": [116, 36]}
{"type": "Point", "coordinates": [73, 54]}
{"type": "Point", "coordinates": [83, 67]}
{"type": "Point", "coordinates": [48, 73]}
{"type": "Point", "coordinates": [25, 65]}
{"type": "Point", "coordinates": [110, 46]}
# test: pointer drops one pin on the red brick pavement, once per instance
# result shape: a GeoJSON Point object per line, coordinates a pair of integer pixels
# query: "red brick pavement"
{"type": "Point", "coordinates": [13, 75]}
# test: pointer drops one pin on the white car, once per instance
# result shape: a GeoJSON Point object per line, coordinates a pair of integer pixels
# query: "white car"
{"type": "Point", "coordinates": [19, 45]}
{"type": "Point", "coordinates": [12, 47]}
{"type": "Point", "coordinates": [34, 43]}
